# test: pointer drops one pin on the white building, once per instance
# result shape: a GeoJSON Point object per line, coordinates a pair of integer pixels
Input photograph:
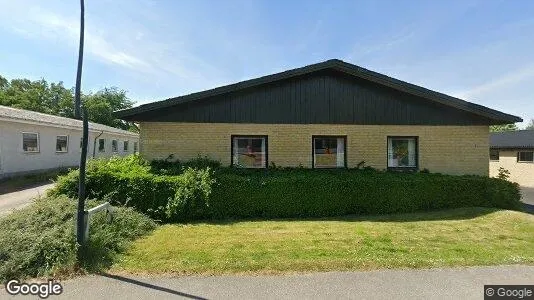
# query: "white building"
{"type": "Point", "coordinates": [32, 142]}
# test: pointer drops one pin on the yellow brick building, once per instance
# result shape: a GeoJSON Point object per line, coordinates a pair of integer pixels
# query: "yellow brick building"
{"type": "Point", "coordinates": [327, 115]}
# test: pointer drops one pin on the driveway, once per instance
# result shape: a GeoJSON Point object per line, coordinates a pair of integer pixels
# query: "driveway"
{"type": "Point", "coordinates": [528, 198]}
{"type": "Point", "coordinates": [456, 283]}
{"type": "Point", "coordinates": [21, 198]}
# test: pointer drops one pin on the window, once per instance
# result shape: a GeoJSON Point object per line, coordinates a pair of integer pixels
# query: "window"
{"type": "Point", "coordinates": [30, 142]}
{"type": "Point", "coordinates": [135, 147]}
{"type": "Point", "coordinates": [101, 145]}
{"type": "Point", "coordinates": [329, 151]}
{"type": "Point", "coordinates": [81, 142]}
{"type": "Point", "coordinates": [125, 148]}
{"type": "Point", "coordinates": [62, 143]}
{"type": "Point", "coordinates": [525, 156]}
{"type": "Point", "coordinates": [402, 152]}
{"type": "Point", "coordinates": [114, 146]}
{"type": "Point", "coordinates": [249, 151]}
{"type": "Point", "coordinates": [494, 154]}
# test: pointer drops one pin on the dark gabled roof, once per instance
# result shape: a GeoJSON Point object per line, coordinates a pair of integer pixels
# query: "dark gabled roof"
{"type": "Point", "coordinates": [338, 65]}
{"type": "Point", "coordinates": [520, 139]}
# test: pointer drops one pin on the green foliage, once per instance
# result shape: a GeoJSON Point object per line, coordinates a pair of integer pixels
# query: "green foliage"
{"type": "Point", "coordinates": [333, 193]}
{"type": "Point", "coordinates": [129, 181]}
{"type": "Point", "coordinates": [247, 193]}
{"type": "Point", "coordinates": [191, 199]}
{"type": "Point", "coordinates": [175, 167]}
{"type": "Point", "coordinates": [39, 240]}
{"type": "Point", "coordinates": [54, 98]}
{"type": "Point", "coordinates": [505, 127]}
{"type": "Point", "coordinates": [503, 174]}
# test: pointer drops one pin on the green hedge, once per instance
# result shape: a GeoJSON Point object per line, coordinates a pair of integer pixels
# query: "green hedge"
{"type": "Point", "coordinates": [236, 193]}
{"type": "Point", "coordinates": [320, 193]}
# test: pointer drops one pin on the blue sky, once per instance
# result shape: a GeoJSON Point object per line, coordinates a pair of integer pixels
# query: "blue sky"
{"type": "Point", "coordinates": [480, 51]}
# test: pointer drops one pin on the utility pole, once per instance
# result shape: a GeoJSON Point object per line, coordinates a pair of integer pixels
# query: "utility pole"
{"type": "Point", "coordinates": [77, 101]}
{"type": "Point", "coordinates": [80, 224]}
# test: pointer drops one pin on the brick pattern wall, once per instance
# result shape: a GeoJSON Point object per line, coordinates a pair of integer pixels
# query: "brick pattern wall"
{"type": "Point", "coordinates": [520, 172]}
{"type": "Point", "coordinates": [445, 149]}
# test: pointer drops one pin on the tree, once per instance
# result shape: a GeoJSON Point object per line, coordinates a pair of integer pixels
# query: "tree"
{"type": "Point", "coordinates": [505, 127]}
{"type": "Point", "coordinates": [55, 99]}
{"type": "Point", "coordinates": [530, 125]}
{"type": "Point", "coordinates": [101, 105]}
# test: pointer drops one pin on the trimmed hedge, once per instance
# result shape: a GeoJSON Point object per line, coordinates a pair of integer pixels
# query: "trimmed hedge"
{"type": "Point", "coordinates": [323, 193]}
{"type": "Point", "coordinates": [236, 193]}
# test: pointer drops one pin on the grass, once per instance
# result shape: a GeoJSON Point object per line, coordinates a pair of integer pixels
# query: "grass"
{"type": "Point", "coordinates": [459, 237]}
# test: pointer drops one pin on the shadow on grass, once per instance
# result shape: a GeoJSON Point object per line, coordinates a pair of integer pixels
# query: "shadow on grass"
{"type": "Point", "coordinates": [151, 286]}
{"type": "Point", "coordinates": [437, 215]}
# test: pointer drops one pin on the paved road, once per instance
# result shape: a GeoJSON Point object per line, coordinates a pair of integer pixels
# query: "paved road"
{"type": "Point", "coordinates": [456, 283]}
{"type": "Point", "coordinates": [21, 198]}
{"type": "Point", "coordinates": [528, 198]}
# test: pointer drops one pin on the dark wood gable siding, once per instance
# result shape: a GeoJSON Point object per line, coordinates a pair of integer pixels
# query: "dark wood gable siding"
{"type": "Point", "coordinates": [326, 97]}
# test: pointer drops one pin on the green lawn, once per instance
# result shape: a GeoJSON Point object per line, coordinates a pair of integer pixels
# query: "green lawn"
{"type": "Point", "coordinates": [460, 237]}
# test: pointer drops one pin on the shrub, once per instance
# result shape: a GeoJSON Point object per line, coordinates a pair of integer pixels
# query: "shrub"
{"type": "Point", "coordinates": [168, 167]}
{"type": "Point", "coordinates": [192, 193]}
{"type": "Point", "coordinates": [503, 174]}
{"type": "Point", "coordinates": [290, 192]}
{"type": "Point", "coordinates": [39, 240]}
{"type": "Point", "coordinates": [314, 193]}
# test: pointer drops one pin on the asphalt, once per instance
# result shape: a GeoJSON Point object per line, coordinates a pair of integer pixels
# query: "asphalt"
{"type": "Point", "coordinates": [454, 283]}
{"type": "Point", "coordinates": [527, 194]}
{"type": "Point", "coordinates": [21, 198]}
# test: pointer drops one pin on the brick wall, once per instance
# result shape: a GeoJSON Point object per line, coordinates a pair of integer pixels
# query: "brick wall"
{"type": "Point", "coordinates": [520, 172]}
{"type": "Point", "coordinates": [445, 149]}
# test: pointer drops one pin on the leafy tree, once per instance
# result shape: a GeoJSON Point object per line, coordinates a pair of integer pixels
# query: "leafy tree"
{"type": "Point", "coordinates": [101, 105]}
{"type": "Point", "coordinates": [55, 99]}
{"type": "Point", "coordinates": [505, 127]}
{"type": "Point", "coordinates": [530, 125]}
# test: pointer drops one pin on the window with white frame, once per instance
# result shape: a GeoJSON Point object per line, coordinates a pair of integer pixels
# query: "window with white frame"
{"type": "Point", "coordinates": [125, 146]}
{"type": "Point", "coordinates": [101, 145]}
{"type": "Point", "coordinates": [30, 142]}
{"type": "Point", "coordinates": [329, 151]}
{"type": "Point", "coordinates": [249, 151]}
{"type": "Point", "coordinates": [114, 146]}
{"type": "Point", "coordinates": [62, 143]}
{"type": "Point", "coordinates": [525, 156]}
{"type": "Point", "coordinates": [402, 152]}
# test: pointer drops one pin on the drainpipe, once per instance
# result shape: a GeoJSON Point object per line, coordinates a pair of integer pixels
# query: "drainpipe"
{"type": "Point", "coordinates": [94, 143]}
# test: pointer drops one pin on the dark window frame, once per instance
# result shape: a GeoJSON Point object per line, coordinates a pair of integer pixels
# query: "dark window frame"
{"type": "Point", "coordinates": [125, 146]}
{"type": "Point", "coordinates": [67, 148]}
{"type": "Point", "coordinates": [116, 148]}
{"type": "Point", "coordinates": [103, 150]}
{"type": "Point", "coordinates": [135, 147]}
{"type": "Point", "coordinates": [266, 137]}
{"type": "Point", "coordinates": [525, 161]}
{"type": "Point", "coordinates": [329, 136]}
{"type": "Point", "coordinates": [416, 152]}
{"type": "Point", "coordinates": [498, 155]}
{"type": "Point", "coordinates": [38, 142]}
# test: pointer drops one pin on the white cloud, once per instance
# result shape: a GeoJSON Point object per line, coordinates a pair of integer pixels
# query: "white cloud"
{"type": "Point", "coordinates": [499, 83]}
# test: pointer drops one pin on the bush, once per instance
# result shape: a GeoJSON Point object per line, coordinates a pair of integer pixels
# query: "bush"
{"type": "Point", "coordinates": [162, 197]}
{"type": "Point", "coordinates": [39, 240]}
{"type": "Point", "coordinates": [297, 192]}
{"type": "Point", "coordinates": [167, 167]}
{"type": "Point", "coordinates": [313, 193]}
{"type": "Point", "coordinates": [192, 193]}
